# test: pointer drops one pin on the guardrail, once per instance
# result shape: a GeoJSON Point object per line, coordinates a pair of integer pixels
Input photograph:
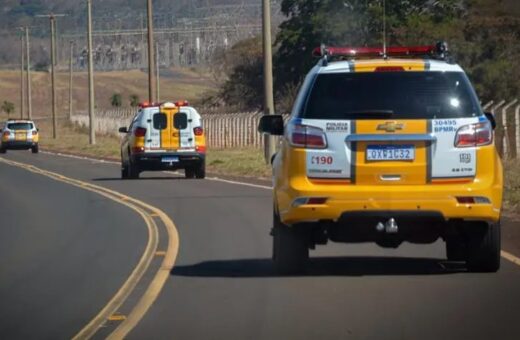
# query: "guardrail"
{"type": "Point", "coordinates": [232, 130]}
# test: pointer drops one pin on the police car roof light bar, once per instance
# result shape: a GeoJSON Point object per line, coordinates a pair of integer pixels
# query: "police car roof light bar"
{"type": "Point", "coordinates": [438, 51]}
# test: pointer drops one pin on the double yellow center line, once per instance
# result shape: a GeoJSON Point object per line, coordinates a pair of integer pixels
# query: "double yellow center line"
{"type": "Point", "coordinates": [148, 214]}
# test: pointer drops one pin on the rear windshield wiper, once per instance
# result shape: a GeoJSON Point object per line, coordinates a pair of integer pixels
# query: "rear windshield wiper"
{"type": "Point", "coordinates": [369, 114]}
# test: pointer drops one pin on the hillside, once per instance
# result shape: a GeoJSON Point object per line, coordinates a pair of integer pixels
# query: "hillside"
{"type": "Point", "coordinates": [175, 85]}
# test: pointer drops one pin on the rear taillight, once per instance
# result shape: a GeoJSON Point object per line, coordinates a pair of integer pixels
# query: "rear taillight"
{"type": "Point", "coordinates": [198, 131]}
{"type": "Point", "coordinates": [137, 149]}
{"type": "Point", "coordinates": [474, 135]}
{"type": "Point", "coordinates": [7, 133]}
{"type": "Point", "coordinates": [140, 132]}
{"type": "Point", "coordinates": [303, 136]}
{"type": "Point", "coordinates": [200, 149]}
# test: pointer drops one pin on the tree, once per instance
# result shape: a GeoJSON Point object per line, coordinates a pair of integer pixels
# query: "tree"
{"type": "Point", "coordinates": [116, 100]}
{"type": "Point", "coordinates": [243, 65]}
{"type": "Point", "coordinates": [134, 100]}
{"type": "Point", "coordinates": [8, 108]}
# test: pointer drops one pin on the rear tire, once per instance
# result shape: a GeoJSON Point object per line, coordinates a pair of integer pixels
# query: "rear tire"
{"type": "Point", "coordinates": [133, 171]}
{"type": "Point", "coordinates": [189, 173]}
{"type": "Point", "coordinates": [124, 171]}
{"type": "Point", "coordinates": [290, 247]}
{"type": "Point", "coordinates": [2, 150]}
{"type": "Point", "coordinates": [456, 249]}
{"type": "Point", "coordinates": [484, 247]}
{"type": "Point", "coordinates": [35, 149]}
{"type": "Point", "coordinates": [200, 172]}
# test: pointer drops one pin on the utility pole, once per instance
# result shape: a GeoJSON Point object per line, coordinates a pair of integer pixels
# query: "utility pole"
{"type": "Point", "coordinates": [91, 108]}
{"type": "Point", "coordinates": [70, 77]}
{"type": "Point", "coordinates": [158, 86]}
{"type": "Point", "coordinates": [22, 82]}
{"type": "Point", "coordinates": [53, 78]}
{"type": "Point", "coordinates": [52, 20]}
{"type": "Point", "coordinates": [151, 59]}
{"type": "Point", "coordinates": [28, 58]}
{"type": "Point", "coordinates": [269, 147]}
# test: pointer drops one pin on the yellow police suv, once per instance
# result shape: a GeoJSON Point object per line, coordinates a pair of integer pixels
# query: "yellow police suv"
{"type": "Point", "coordinates": [167, 136]}
{"type": "Point", "coordinates": [386, 146]}
{"type": "Point", "coordinates": [19, 135]}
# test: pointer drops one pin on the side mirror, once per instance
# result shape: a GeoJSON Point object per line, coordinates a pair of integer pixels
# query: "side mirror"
{"type": "Point", "coordinates": [180, 121]}
{"type": "Point", "coordinates": [271, 124]}
{"type": "Point", "coordinates": [491, 117]}
{"type": "Point", "coordinates": [123, 129]}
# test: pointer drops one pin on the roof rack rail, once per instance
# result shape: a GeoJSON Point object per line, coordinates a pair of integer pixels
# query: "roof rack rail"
{"type": "Point", "coordinates": [438, 51]}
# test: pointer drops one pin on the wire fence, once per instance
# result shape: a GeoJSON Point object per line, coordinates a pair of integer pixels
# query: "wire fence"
{"type": "Point", "coordinates": [236, 130]}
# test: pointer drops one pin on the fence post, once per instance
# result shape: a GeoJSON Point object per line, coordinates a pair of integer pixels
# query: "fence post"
{"type": "Point", "coordinates": [485, 107]}
{"type": "Point", "coordinates": [508, 152]}
{"type": "Point", "coordinates": [499, 133]}
{"type": "Point", "coordinates": [517, 128]}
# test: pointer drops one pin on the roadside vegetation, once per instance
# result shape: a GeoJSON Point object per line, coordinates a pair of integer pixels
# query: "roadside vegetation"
{"type": "Point", "coordinates": [482, 35]}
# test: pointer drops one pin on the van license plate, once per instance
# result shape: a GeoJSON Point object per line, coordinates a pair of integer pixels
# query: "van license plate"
{"type": "Point", "coordinates": [390, 153]}
{"type": "Point", "coordinates": [170, 159]}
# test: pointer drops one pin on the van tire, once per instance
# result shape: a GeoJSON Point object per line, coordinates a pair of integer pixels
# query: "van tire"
{"type": "Point", "coordinates": [189, 173]}
{"type": "Point", "coordinates": [35, 149]}
{"type": "Point", "coordinates": [200, 171]}
{"type": "Point", "coordinates": [124, 171]}
{"type": "Point", "coordinates": [133, 171]}
{"type": "Point", "coordinates": [484, 247]}
{"type": "Point", "coordinates": [2, 150]}
{"type": "Point", "coordinates": [290, 247]}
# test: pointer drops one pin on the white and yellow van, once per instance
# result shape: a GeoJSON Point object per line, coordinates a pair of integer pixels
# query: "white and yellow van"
{"type": "Point", "coordinates": [167, 136]}
{"type": "Point", "coordinates": [387, 147]}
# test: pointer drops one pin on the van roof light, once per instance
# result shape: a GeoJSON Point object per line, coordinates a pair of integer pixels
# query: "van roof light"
{"type": "Point", "coordinates": [182, 103]}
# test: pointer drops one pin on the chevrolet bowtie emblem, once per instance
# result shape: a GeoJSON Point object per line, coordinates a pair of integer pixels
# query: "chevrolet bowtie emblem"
{"type": "Point", "coordinates": [390, 127]}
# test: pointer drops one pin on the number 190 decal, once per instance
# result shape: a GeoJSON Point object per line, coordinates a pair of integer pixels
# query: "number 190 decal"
{"type": "Point", "coordinates": [322, 160]}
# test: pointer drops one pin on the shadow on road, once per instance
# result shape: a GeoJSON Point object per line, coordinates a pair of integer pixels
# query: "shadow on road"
{"type": "Point", "coordinates": [109, 179]}
{"type": "Point", "coordinates": [324, 266]}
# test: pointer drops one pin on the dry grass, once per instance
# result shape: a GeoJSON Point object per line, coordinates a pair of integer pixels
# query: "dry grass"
{"type": "Point", "coordinates": [238, 162]}
{"type": "Point", "coordinates": [176, 84]}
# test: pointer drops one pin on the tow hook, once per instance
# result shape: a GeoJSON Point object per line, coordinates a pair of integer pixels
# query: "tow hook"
{"type": "Point", "coordinates": [390, 227]}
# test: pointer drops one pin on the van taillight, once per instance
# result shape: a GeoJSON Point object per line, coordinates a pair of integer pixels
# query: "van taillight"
{"type": "Point", "coordinates": [303, 136]}
{"type": "Point", "coordinates": [198, 131]}
{"type": "Point", "coordinates": [474, 135]}
{"type": "Point", "coordinates": [140, 132]}
{"type": "Point", "coordinates": [7, 133]}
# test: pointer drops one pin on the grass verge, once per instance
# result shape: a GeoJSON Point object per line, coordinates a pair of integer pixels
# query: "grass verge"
{"type": "Point", "coordinates": [246, 162]}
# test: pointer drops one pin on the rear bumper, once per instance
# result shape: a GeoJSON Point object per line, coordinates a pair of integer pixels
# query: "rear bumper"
{"type": "Point", "coordinates": [389, 201]}
{"type": "Point", "coordinates": [18, 145]}
{"type": "Point", "coordinates": [154, 161]}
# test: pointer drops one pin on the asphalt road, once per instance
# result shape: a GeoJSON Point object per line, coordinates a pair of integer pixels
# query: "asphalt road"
{"type": "Point", "coordinates": [62, 257]}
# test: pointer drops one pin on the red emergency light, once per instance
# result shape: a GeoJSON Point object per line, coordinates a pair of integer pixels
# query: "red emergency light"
{"type": "Point", "coordinates": [144, 105]}
{"type": "Point", "coordinates": [435, 51]}
{"type": "Point", "coordinates": [374, 51]}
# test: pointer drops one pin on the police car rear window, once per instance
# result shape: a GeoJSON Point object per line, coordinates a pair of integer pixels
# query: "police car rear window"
{"type": "Point", "coordinates": [402, 95]}
{"type": "Point", "coordinates": [20, 126]}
